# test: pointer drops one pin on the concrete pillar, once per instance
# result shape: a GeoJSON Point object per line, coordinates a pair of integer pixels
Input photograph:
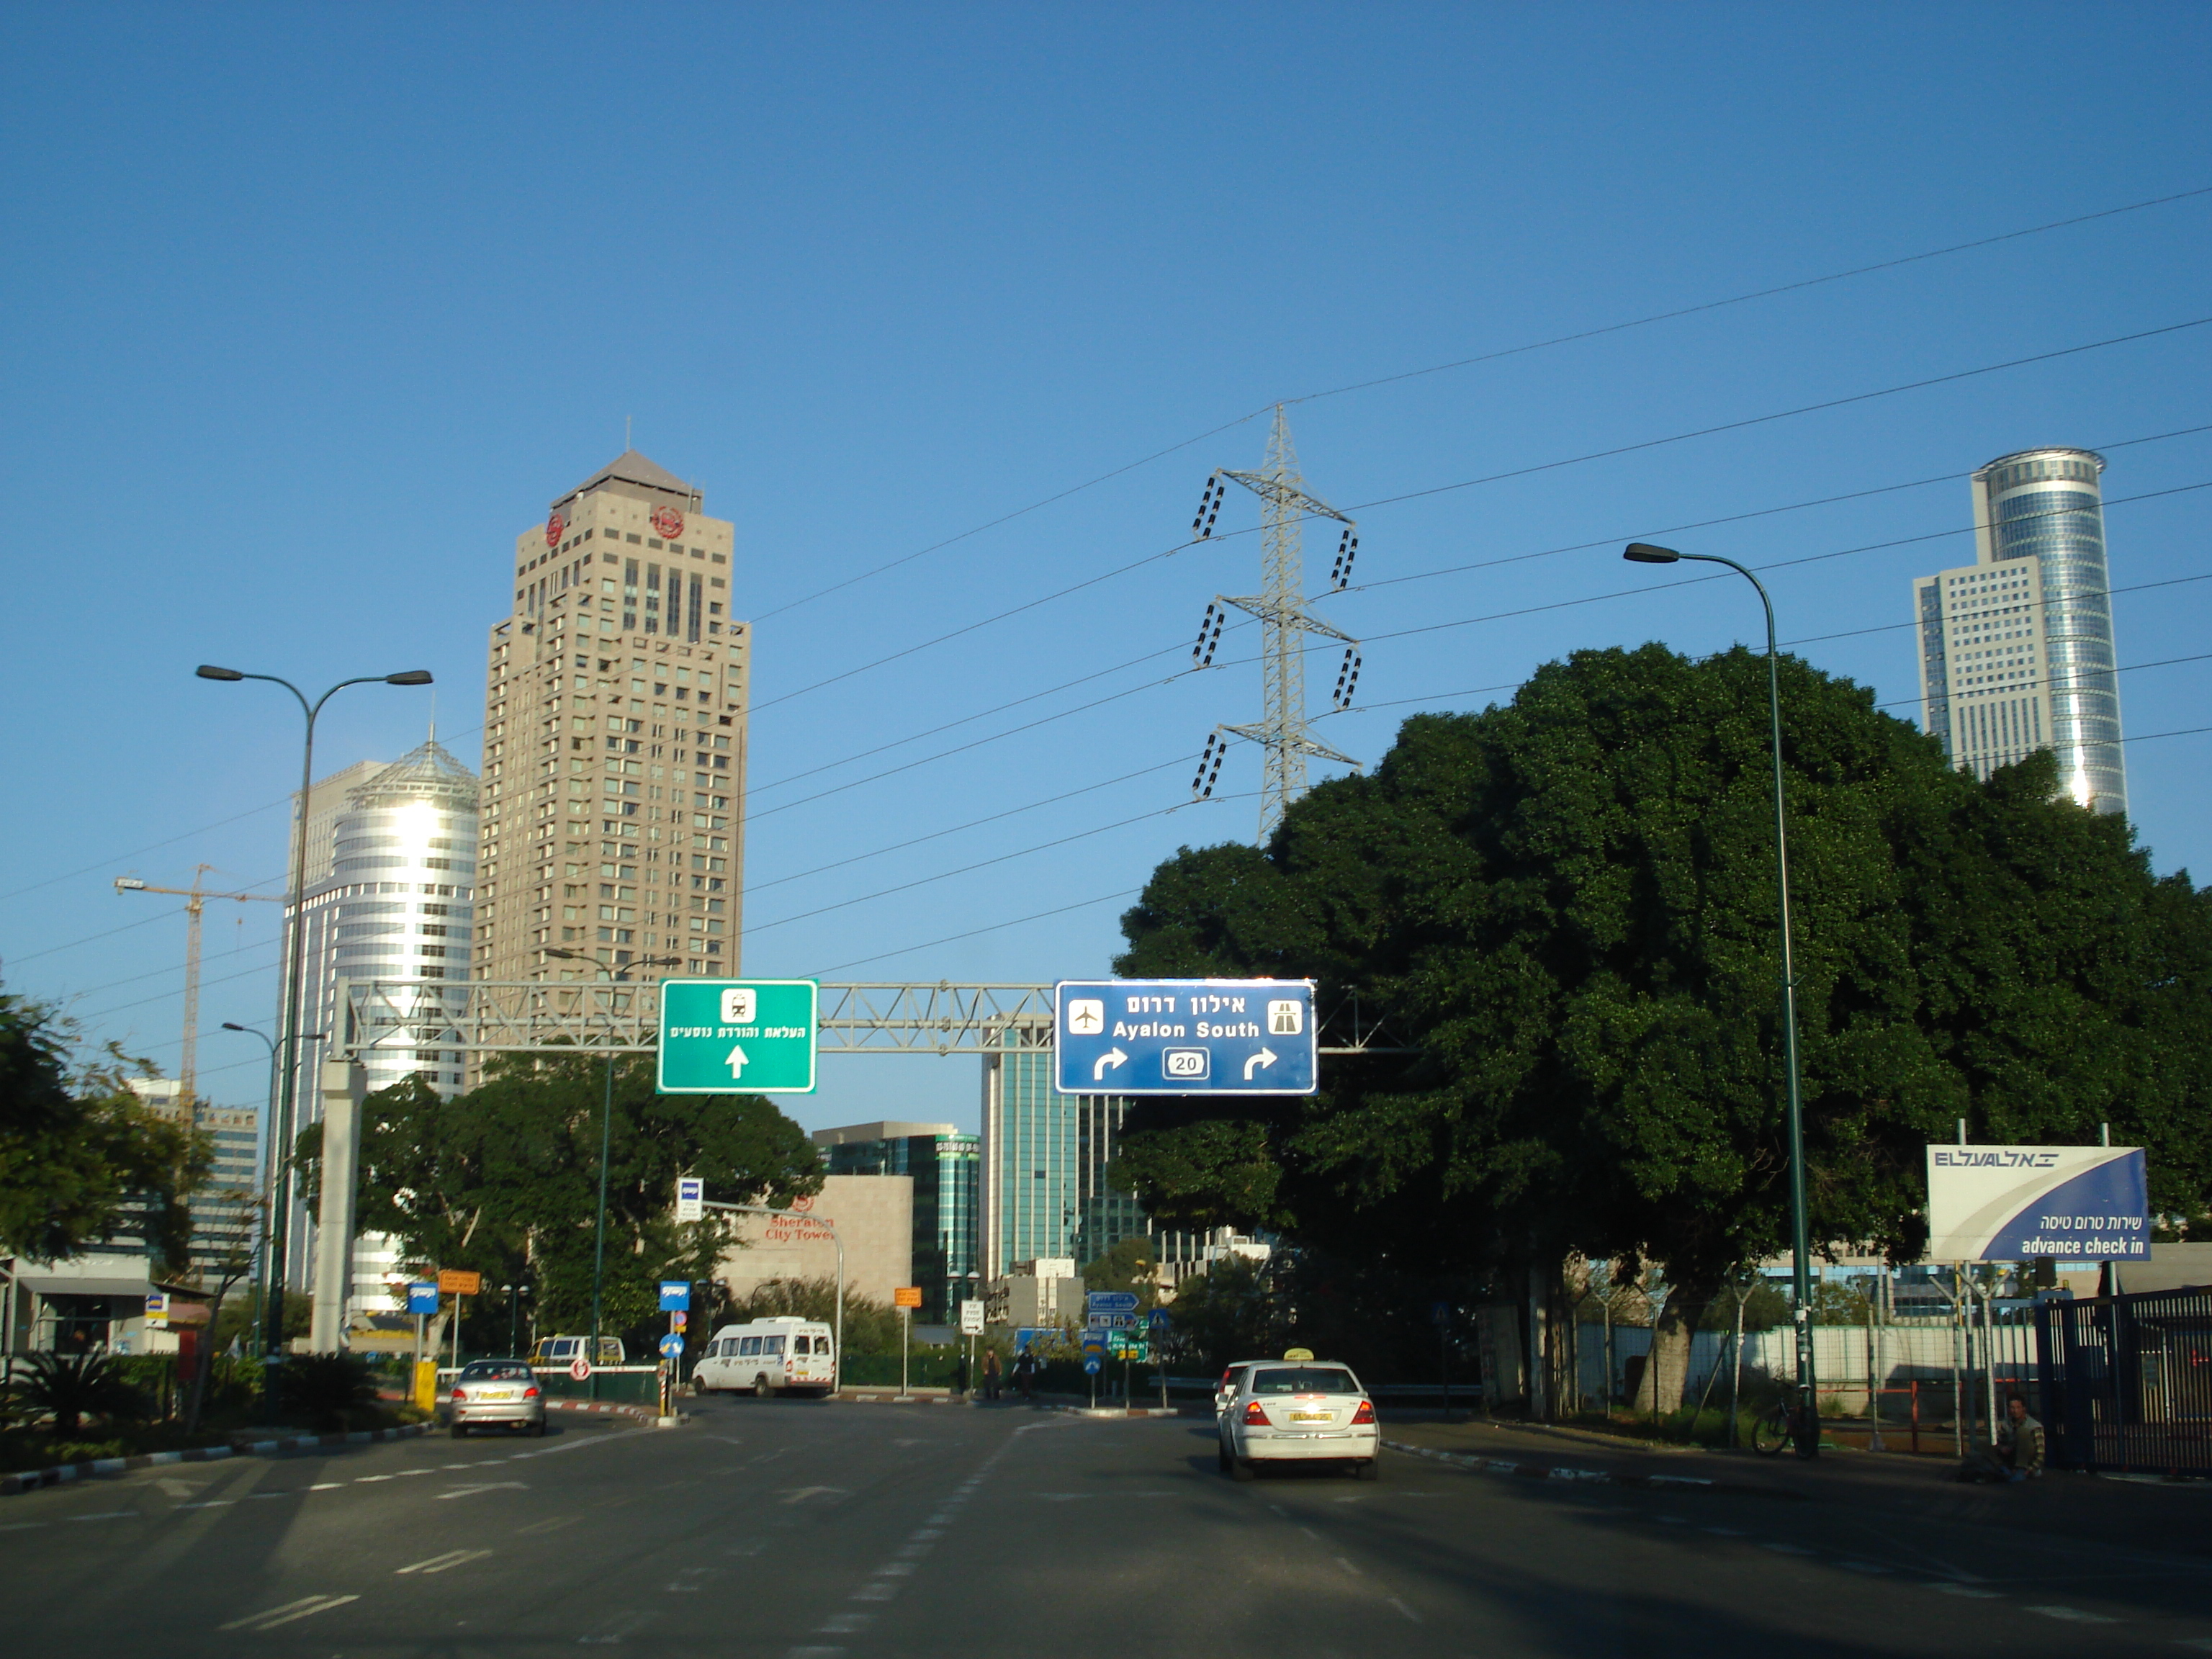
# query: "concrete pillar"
{"type": "Point", "coordinates": [345, 1086]}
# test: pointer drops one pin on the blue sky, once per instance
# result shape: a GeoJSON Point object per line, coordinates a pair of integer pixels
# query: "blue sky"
{"type": "Point", "coordinates": [308, 311]}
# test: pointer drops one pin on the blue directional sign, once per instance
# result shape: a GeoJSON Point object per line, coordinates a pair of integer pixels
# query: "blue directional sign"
{"type": "Point", "coordinates": [675, 1295]}
{"type": "Point", "coordinates": [1111, 1302]}
{"type": "Point", "coordinates": [423, 1296]}
{"type": "Point", "coordinates": [671, 1346]}
{"type": "Point", "coordinates": [1185, 1036]}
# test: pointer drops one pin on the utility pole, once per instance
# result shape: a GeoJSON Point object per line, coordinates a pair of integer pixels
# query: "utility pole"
{"type": "Point", "coordinates": [195, 898]}
{"type": "Point", "coordinates": [1285, 617]}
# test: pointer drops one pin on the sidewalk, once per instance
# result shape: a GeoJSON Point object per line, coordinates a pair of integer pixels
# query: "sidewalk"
{"type": "Point", "coordinates": [2169, 1518]}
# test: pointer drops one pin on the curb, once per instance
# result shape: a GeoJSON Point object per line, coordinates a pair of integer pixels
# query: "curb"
{"type": "Point", "coordinates": [893, 1397]}
{"type": "Point", "coordinates": [1118, 1413]}
{"type": "Point", "coordinates": [635, 1413]}
{"type": "Point", "coordinates": [62, 1474]}
{"type": "Point", "coordinates": [1476, 1465]}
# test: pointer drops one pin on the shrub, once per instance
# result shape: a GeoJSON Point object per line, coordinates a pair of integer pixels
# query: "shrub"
{"type": "Point", "coordinates": [323, 1388]}
{"type": "Point", "coordinates": [71, 1386]}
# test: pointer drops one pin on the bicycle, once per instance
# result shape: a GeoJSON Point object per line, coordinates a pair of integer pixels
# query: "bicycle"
{"type": "Point", "coordinates": [1773, 1428]}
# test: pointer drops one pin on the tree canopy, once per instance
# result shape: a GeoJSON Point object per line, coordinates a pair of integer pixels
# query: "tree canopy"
{"type": "Point", "coordinates": [83, 1159]}
{"type": "Point", "coordinates": [504, 1179]}
{"type": "Point", "coordinates": [1565, 907]}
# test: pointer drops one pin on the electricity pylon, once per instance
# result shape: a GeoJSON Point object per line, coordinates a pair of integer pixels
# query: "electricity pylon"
{"type": "Point", "coordinates": [195, 898]}
{"type": "Point", "coordinates": [1285, 616]}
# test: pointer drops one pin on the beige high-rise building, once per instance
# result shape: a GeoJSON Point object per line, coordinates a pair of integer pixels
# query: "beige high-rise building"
{"type": "Point", "coordinates": [614, 739]}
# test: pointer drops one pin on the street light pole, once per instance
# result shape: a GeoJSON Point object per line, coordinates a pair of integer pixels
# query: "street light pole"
{"type": "Point", "coordinates": [1808, 1420]}
{"type": "Point", "coordinates": [606, 1143]}
{"type": "Point", "coordinates": [273, 1265]}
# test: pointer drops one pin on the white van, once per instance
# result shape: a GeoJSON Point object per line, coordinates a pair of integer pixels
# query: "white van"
{"type": "Point", "coordinates": [768, 1356]}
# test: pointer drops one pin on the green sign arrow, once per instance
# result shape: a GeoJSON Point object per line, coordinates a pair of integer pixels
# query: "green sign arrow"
{"type": "Point", "coordinates": [753, 1037]}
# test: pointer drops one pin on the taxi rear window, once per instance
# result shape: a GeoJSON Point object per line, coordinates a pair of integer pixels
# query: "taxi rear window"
{"type": "Point", "coordinates": [1303, 1379]}
{"type": "Point", "coordinates": [486, 1370]}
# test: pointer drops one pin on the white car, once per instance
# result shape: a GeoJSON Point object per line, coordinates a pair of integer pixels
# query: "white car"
{"type": "Point", "coordinates": [781, 1355]}
{"type": "Point", "coordinates": [1225, 1390]}
{"type": "Point", "coordinates": [1302, 1411]}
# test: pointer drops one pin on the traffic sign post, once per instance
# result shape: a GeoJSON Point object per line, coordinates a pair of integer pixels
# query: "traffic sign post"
{"type": "Point", "coordinates": [1094, 1356]}
{"type": "Point", "coordinates": [1185, 1036]}
{"type": "Point", "coordinates": [690, 1199]}
{"type": "Point", "coordinates": [721, 1036]}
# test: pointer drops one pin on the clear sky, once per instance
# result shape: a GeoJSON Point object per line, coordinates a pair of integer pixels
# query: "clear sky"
{"type": "Point", "coordinates": [308, 311]}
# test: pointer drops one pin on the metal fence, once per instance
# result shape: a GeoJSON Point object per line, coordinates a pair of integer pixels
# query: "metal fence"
{"type": "Point", "coordinates": [2126, 1383]}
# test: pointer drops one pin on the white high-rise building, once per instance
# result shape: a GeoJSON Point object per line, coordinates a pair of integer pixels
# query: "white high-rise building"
{"type": "Point", "coordinates": [2016, 650]}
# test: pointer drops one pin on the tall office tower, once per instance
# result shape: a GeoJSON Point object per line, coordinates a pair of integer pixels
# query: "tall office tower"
{"type": "Point", "coordinates": [614, 739]}
{"type": "Point", "coordinates": [946, 1171]}
{"type": "Point", "coordinates": [1045, 1155]}
{"type": "Point", "coordinates": [391, 892]}
{"type": "Point", "coordinates": [2016, 649]}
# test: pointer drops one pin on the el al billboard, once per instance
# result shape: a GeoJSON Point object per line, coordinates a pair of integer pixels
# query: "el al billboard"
{"type": "Point", "coordinates": [2022, 1203]}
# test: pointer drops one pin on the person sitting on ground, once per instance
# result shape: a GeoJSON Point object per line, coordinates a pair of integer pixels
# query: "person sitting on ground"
{"type": "Point", "coordinates": [2018, 1453]}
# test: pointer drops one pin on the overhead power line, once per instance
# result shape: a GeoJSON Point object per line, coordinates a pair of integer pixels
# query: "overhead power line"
{"type": "Point", "coordinates": [989, 927]}
{"type": "Point", "coordinates": [1501, 353]}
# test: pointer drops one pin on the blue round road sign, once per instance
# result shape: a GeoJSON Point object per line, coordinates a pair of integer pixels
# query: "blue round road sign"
{"type": "Point", "coordinates": [671, 1346]}
{"type": "Point", "coordinates": [1091, 1364]}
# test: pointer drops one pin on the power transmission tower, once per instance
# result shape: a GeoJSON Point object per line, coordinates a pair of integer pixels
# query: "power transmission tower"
{"type": "Point", "coordinates": [1285, 616]}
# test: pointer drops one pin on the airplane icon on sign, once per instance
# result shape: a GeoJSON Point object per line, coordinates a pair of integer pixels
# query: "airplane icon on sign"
{"type": "Point", "coordinates": [1086, 1015]}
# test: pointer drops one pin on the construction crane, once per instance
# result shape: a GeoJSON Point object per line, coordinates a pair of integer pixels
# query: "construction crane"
{"type": "Point", "coordinates": [195, 898]}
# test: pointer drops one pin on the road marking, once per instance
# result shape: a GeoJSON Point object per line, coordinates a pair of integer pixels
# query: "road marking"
{"type": "Point", "coordinates": [616, 1627]}
{"type": "Point", "coordinates": [108, 1515]}
{"type": "Point", "coordinates": [1787, 1549]}
{"type": "Point", "coordinates": [1407, 1611]}
{"type": "Point", "coordinates": [256, 1496]}
{"type": "Point", "coordinates": [489, 1486]}
{"type": "Point", "coordinates": [2202, 1643]}
{"type": "Point", "coordinates": [306, 1607]}
{"type": "Point", "coordinates": [2073, 1615]}
{"type": "Point", "coordinates": [1966, 1590]}
{"type": "Point", "coordinates": [366, 1479]}
{"type": "Point", "coordinates": [681, 1588]}
{"type": "Point", "coordinates": [449, 1559]}
{"type": "Point", "coordinates": [815, 1653]}
{"type": "Point", "coordinates": [1722, 1532]}
{"type": "Point", "coordinates": [211, 1503]}
{"type": "Point", "coordinates": [554, 1524]}
{"type": "Point", "coordinates": [895, 1569]}
{"type": "Point", "coordinates": [22, 1525]}
{"type": "Point", "coordinates": [1312, 1534]}
{"type": "Point", "coordinates": [176, 1488]}
{"type": "Point", "coordinates": [326, 1485]}
{"type": "Point", "coordinates": [1349, 1568]}
{"type": "Point", "coordinates": [846, 1624]}
{"type": "Point", "coordinates": [404, 1474]}
{"type": "Point", "coordinates": [877, 1592]}
{"type": "Point", "coordinates": [800, 1494]}
{"type": "Point", "coordinates": [1861, 1566]}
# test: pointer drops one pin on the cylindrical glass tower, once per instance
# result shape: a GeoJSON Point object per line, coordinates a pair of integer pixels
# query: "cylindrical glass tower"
{"type": "Point", "coordinates": [2045, 505]}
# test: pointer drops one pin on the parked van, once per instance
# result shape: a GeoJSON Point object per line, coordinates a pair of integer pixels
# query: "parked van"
{"type": "Point", "coordinates": [559, 1352]}
{"type": "Point", "coordinates": [769, 1355]}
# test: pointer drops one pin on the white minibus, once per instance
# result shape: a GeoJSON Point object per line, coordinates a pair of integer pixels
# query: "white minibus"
{"type": "Point", "coordinates": [769, 1355]}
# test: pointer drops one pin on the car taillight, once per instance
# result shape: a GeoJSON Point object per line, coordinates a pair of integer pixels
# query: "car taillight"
{"type": "Point", "coordinates": [1253, 1414]}
{"type": "Point", "coordinates": [1366, 1414]}
{"type": "Point", "coordinates": [530, 1393]}
{"type": "Point", "coordinates": [460, 1395]}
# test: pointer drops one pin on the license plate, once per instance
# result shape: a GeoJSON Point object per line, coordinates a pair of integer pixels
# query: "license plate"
{"type": "Point", "coordinates": [497, 1394]}
{"type": "Point", "coordinates": [1312, 1416]}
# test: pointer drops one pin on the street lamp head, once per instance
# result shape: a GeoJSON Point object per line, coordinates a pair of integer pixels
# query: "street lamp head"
{"type": "Point", "coordinates": [208, 670]}
{"type": "Point", "coordinates": [231, 1025]}
{"type": "Point", "coordinates": [1645, 553]}
{"type": "Point", "coordinates": [412, 677]}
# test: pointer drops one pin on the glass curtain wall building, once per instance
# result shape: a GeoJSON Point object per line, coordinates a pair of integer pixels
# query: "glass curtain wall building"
{"type": "Point", "coordinates": [1045, 1156]}
{"type": "Point", "coordinates": [2016, 649]}
{"type": "Point", "coordinates": [389, 895]}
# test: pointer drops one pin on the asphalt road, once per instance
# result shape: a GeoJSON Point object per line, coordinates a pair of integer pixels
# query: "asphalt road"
{"type": "Point", "coordinates": [799, 1530]}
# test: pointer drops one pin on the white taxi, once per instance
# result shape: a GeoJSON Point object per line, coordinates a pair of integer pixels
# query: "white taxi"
{"type": "Point", "coordinates": [1299, 1411]}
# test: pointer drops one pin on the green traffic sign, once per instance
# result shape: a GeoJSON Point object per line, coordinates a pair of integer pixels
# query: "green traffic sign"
{"type": "Point", "coordinates": [753, 1037]}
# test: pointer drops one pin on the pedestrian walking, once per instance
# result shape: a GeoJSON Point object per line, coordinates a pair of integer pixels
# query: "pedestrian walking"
{"type": "Point", "coordinates": [990, 1374]}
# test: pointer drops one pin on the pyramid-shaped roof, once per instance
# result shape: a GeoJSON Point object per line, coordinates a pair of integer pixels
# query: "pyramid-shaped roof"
{"type": "Point", "coordinates": [427, 772]}
{"type": "Point", "coordinates": [631, 468]}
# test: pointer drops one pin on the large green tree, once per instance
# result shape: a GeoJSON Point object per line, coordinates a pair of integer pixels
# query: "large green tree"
{"type": "Point", "coordinates": [82, 1158]}
{"type": "Point", "coordinates": [1565, 907]}
{"type": "Point", "coordinates": [504, 1179]}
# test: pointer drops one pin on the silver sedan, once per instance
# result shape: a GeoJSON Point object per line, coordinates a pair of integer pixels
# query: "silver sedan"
{"type": "Point", "coordinates": [496, 1394]}
{"type": "Point", "coordinates": [1301, 1412]}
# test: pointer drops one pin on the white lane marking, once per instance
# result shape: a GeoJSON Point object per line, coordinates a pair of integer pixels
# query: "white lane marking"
{"type": "Point", "coordinates": [326, 1485]}
{"type": "Point", "coordinates": [404, 1474]}
{"type": "Point", "coordinates": [22, 1525]}
{"type": "Point", "coordinates": [846, 1624]}
{"type": "Point", "coordinates": [1965, 1590]}
{"type": "Point", "coordinates": [895, 1569]}
{"type": "Point", "coordinates": [444, 1562]}
{"type": "Point", "coordinates": [108, 1515]}
{"type": "Point", "coordinates": [1349, 1568]}
{"type": "Point", "coordinates": [616, 1627]}
{"type": "Point", "coordinates": [211, 1503]}
{"type": "Point", "coordinates": [2202, 1643]}
{"type": "Point", "coordinates": [815, 1653]}
{"type": "Point", "coordinates": [1407, 1611]}
{"type": "Point", "coordinates": [679, 1588]}
{"type": "Point", "coordinates": [1861, 1566]}
{"type": "Point", "coordinates": [876, 1592]}
{"type": "Point", "coordinates": [366, 1479]}
{"type": "Point", "coordinates": [306, 1607]}
{"type": "Point", "coordinates": [1312, 1534]}
{"type": "Point", "coordinates": [924, 1534]}
{"type": "Point", "coordinates": [175, 1488]}
{"type": "Point", "coordinates": [1786, 1549]}
{"type": "Point", "coordinates": [488, 1486]}
{"type": "Point", "coordinates": [2073, 1615]}
{"type": "Point", "coordinates": [1722, 1532]}
{"type": "Point", "coordinates": [800, 1494]}
{"type": "Point", "coordinates": [256, 1496]}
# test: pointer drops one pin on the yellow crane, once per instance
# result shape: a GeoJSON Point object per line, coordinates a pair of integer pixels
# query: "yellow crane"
{"type": "Point", "coordinates": [195, 898]}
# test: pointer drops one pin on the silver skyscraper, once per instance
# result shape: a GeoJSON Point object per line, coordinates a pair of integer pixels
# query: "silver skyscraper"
{"type": "Point", "coordinates": [2016, 649]}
